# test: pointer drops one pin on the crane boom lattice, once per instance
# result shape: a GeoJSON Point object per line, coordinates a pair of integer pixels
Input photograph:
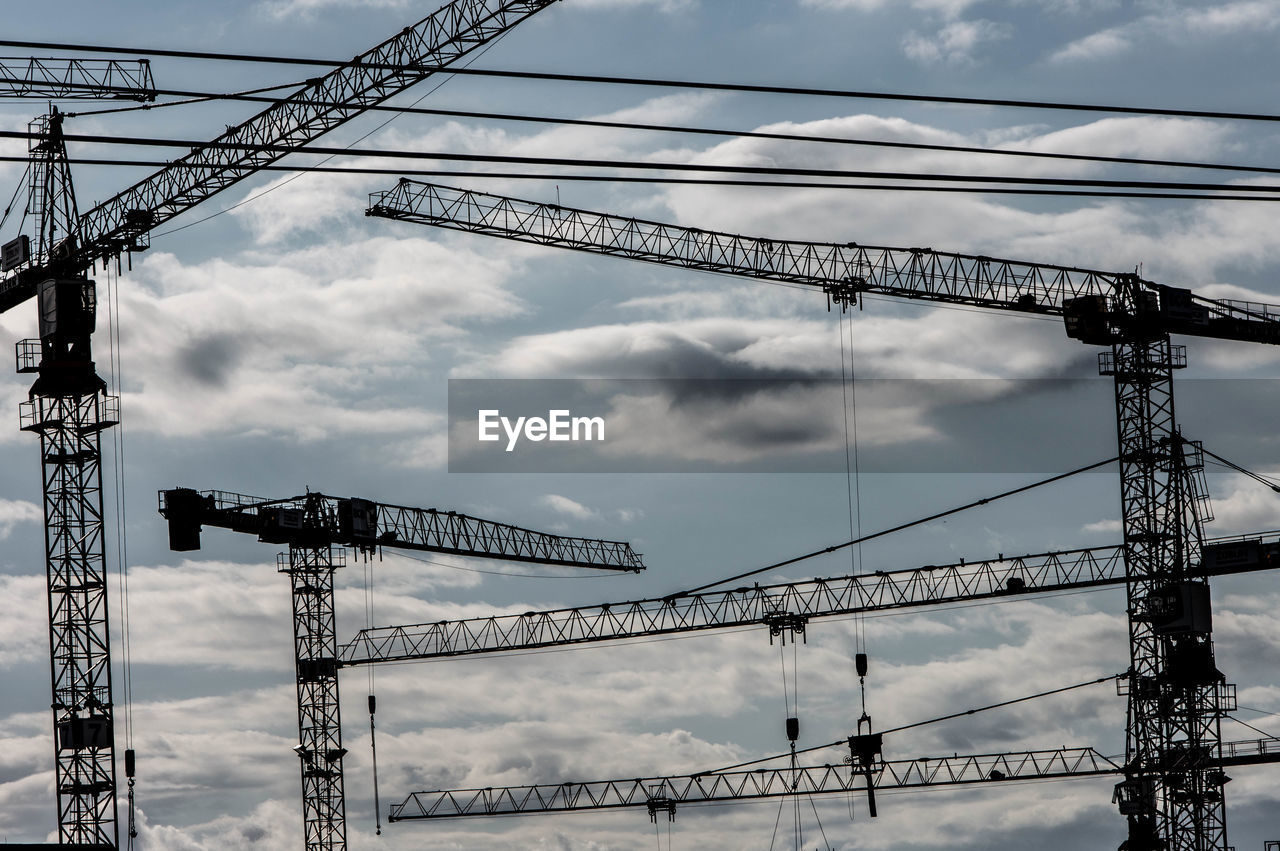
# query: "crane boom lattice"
{"type": "Point", "coordinates": [77, 79]}
{"type": "Point", "coordinates": [931, 585]}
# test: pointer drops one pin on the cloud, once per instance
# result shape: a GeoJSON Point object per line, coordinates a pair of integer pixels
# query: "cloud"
{"type": "Point", "coordinates": [1177, 25]}
{"type": "Point", "coordinates": [1245, 506]}
{"type": "Point", "coordinates": [954, 44]}
{"type": "Point", "coordinates": [666, 6]}
{"type": "Point", "coordinates": [1110, 527]}
{"type": "Point", "coordinates": [17, 511]}
{"type": "Point", "coordinates": [564, 505]}
{"type": "Point", "coordinates": [287, 342]}
{"type": "Point", "coordinates": [282, 9]}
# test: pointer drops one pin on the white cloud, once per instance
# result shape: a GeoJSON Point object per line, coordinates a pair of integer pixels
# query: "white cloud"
{"type": "Point", "coordinates": [1110, 527]}
{"type": "Point", "coordinates": [954, 44]}
{"type": "Point", "coordinates": [667, 6]}
{"type": "Point", "coordinates": [16, 511]}
{"type": "Point", "coordinates": [281, 9]}
{"type": "Point", "coordinates": [1246, 506]}
{"type": "Point", "coordinates": [1178, 25]}
{"type": "Point", "coordinates": [564, 505]}
{"type": "Point", "coordinates": [277, 343]}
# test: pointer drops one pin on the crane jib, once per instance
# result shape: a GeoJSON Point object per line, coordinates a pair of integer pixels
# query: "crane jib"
{"type": "Point", "coordinates": [1091, 301]}
{"type": "Point", "coordinates": [119, 224]}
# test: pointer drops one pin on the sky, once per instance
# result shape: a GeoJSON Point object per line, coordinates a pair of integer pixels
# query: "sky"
{"type": "Point", "coordinates": [276, 339]}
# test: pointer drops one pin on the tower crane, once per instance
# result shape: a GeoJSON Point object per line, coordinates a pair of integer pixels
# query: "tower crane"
{"type": "Point", "coordinates": [79, 641]}
{"type": "Point", "coordinates": [1171, 796]}
{"type": "Point", "coordinates": [69, 407]}
{"type": "Point", "coordinates": [312, 525]}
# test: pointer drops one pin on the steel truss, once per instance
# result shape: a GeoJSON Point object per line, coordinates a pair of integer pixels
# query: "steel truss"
{"type": "Point", "coordinates": [767, 605]}
{"type": "Point", "coordinates": [665, 794]}
{"type": "Point", "coordinates": [68, 408]}
{"type": "Point", "coordinates": [1172, 794]}
{"type": "Point", "coordinates": [1177, 697]}
{"type": "Point", "coordinates": [842, 270]}
{"type": "Point", "coordinates": [315, 643]}
{"type": "Point", "coordinates": [121, 223]}
{"type": "Point", "coordinates": [316, 527]}
{"type": "Point", "coordinates": [77, 79]}
{"type": "Point", "coordinates": [745, 785]}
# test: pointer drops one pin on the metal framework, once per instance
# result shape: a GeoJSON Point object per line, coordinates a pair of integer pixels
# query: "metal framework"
{"type": "Point", "coordinates": [843, 271]}
{"type": "Point", "coordinates": [78, 79]}
{"type": "Point", "coordinates": [69, 245]}
{"type": "Point", "coordinates": [316, 527]}
{"type": "Point", "coordinates": [68, 408]}
{"type": "Point", "coordinates": [746, 785]}
{"type": "Point", "coordinates": [664, 794]}
{"type": "Point", "coordinates": [771, 605]}
{"type": "Point", "coordinates": [1172, 796]}
{"type": "Point", "coordinates": [365, 524]}
{"type": "Point", "coordinates": [319, 749]}
{"type": "Point", "coordinates": [121, 223]}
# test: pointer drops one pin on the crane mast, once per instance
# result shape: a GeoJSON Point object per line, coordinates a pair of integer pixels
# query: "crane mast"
{"type": "Point", "coordinates": [316, 529]}
{"type": "Point", "coordinates": [69, 406]}
{"type": "Point", "coordinates": [1172, 796]}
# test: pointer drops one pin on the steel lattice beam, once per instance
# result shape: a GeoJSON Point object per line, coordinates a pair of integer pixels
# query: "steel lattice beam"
{"type": "Point", "coordinates": [77, 79]}
{"type": "Point", "coordinates": [1177, 697]}
{"type": "Point", "coordinates": [79, 635]}
{"type": "Point", "coordinates": [843, 270]}
{"type": "Point", "coordinates": [667, 793]}
{"type": "Point", "coordinates": [122, 222]}
{"type": "Point", "coordinates": [319, 748]}
{"type": "Point", "coordinates": [744, 785]}
{"type": "Point", "coordinates": [366, 524]}
{"type": "Point", "coordinates": [771, 605]}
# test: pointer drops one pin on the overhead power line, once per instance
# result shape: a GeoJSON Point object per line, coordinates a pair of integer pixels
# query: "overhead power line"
{"type": "Point", "coordinates": [771, 171]}
{"type": "Point", "coordinates": [693, 181]}
{"type": "Point", "coordinates": [664, 83]}
{"type": "Point", "coordinates": [201, 97]}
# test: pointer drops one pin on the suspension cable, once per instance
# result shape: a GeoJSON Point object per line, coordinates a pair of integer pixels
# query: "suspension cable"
{"type": "Point", "coordinates": [1257, 477]}
{"type": "Point", "coordinates": [836, 547]}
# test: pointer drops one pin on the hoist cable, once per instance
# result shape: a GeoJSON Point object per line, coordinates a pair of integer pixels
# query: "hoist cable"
{"type": "Point", "coordinates": [836, 547]}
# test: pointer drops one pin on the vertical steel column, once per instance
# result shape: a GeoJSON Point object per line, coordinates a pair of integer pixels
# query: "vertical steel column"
{"type": "Point", "coordinates": [79, 641]}
{"type": "Point", "coordinates": [68, 407]}
{"type": "Point", "coordinates": [316, 664]}
{"type": "Point", "coordinates": [1172, 797]}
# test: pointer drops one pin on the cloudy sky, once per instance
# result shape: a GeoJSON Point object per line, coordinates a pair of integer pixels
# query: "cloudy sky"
{"type": "Point", "coordinates": [291, 342]}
